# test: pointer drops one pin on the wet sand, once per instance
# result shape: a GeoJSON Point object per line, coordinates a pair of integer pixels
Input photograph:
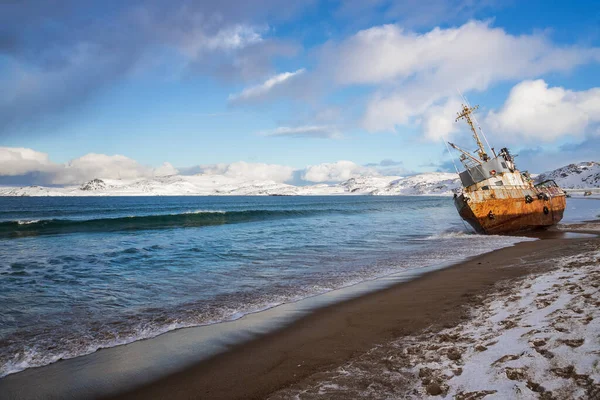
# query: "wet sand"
{"type": "Point", "coordinates": [331, 336]}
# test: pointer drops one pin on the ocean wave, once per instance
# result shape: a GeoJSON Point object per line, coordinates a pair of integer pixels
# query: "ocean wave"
{"type": "Point", "coordinates": [450, 234]}
{"type": "Point", "coordinates": [21, 228]}
{"type": "Point", "coordinates": [36, 349]}
{"type": "Point", "coordinates": [28, 222]}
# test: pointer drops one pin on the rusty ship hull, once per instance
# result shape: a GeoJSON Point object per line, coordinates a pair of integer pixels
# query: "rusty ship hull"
{"type": "Point", "coordinates": [503, 211]}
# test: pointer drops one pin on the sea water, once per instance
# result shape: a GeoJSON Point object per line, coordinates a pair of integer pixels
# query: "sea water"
{"type": "Point", "coordinates": [82, 273]}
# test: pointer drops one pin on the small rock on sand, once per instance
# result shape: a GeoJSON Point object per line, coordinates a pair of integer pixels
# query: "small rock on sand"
{"type": "Point", "coordinates": [503, 359]}
{"type": "Point", "coordinates": [425, 372]}
{"type": "Point", "coordinates": [454, 354]}
{"type": "Point", "coordinates": [434, 389]}
{"type": "Point", "coordinates": [515, 374]}
{"type": "Point", "coordinates": [573, 342]}
{"type": "Point", "coordinates": [539, 342]}
{"type": "Point", "coordinates": [474, 395]}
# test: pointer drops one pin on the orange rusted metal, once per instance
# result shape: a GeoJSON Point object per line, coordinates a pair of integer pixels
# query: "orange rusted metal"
{"type": "Point", "coordinates": [509, 211]}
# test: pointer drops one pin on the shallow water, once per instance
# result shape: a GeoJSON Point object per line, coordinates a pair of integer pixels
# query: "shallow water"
{"type": "Point", "coordinates": [79, 274]}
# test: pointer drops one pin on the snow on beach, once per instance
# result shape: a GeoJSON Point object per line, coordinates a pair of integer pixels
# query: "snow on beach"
{"type": "Point", "coordinates": [539, 338]}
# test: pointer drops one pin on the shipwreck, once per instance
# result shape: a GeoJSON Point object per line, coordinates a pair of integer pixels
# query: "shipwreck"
{"type": "Point", "coordinates": [497, 198]}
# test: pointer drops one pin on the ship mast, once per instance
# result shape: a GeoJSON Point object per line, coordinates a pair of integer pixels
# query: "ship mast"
{"type": "Point", "coordinates": [466, 114]}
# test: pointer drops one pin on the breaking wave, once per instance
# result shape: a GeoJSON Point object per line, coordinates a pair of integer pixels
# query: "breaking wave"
{"type": "Point", "coordinates": [452, 234]}
{"type": "Point", "coordinates": [14, 229]}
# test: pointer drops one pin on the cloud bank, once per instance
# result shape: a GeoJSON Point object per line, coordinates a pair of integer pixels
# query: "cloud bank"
{"type": "Point", "coordinates": [58, 56]}
{"type": "Point", "coordinates": [430, 67]}
{"type": "Point", "coordinates": [336, 172]}
{"type": "Point", "coordinates": [249, 171]}
{"type": "Point", "coordinates": [37, 168]}
{"type": "Point", "coordinates": [534, 111]}
{"type": "Point", "coordinates": [26, 166]}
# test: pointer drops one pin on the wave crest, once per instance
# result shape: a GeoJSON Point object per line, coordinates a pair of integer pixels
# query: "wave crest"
{"type": "Point", "coordinates": [13, 229]}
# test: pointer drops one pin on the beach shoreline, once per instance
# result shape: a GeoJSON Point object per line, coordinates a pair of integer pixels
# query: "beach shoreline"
{"type": "Point", "coordinates": [304, 341]}
{"type": "Point", "coordinates": [330, 336]}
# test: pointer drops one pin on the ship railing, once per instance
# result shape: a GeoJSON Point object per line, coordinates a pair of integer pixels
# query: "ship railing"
{"type": "Point", "coordinates": [553, 190]}
{"type": "Point", "coordinates": [500, 187]}
{"type": "Point", "coordinates": [550, 187]}
{"type": "Point", "coordinates": [546, 184]}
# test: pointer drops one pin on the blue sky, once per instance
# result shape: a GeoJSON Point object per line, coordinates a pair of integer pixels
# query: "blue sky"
{"type": "Point", "coordinates": [201, 83]}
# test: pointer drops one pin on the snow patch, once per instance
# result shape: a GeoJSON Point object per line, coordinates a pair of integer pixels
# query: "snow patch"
{"type": "Point", "coordinates": [539, 338]}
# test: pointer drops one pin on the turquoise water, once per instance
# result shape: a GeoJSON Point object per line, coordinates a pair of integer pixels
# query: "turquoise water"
{"type": "Point", "coordinates": [79, 274]}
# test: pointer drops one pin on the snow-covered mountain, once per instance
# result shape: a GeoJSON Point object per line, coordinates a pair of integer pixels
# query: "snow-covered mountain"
{"type": "Point", "coordinates": [366, 184]}
{"type": "Point", "coordinates": [174, 185]}
{"type": "Point", "coordinates": [219, 185]}
{"type": "Point", "coordinates": [433, 183]}
{"type": "Point", "coordinates": [582, 175]}
{"type": "Point", "coordinates": [575, 176]}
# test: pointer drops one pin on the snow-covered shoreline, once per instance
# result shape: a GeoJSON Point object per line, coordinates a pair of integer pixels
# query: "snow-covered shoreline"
{"type": "Point", "coordinates": [529, 338]}
{"type": "Point", "coordinates": [540, 337]}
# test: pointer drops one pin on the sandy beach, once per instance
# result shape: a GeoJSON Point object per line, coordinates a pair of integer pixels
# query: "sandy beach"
{"type": "Point", "coordinates": [526, 314]}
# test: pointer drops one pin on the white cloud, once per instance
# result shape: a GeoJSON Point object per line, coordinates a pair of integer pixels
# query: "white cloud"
{"type": "Point", "coordinates": [94, 165]}
{"type": "Point", "coordinates": [235, 37]}
{"type": "Point", "coordinates": [438, 121]}
{"type": "Point", "coordinates": [475, 53]}
{"type": "Point", "coordinates": [335, 172]}
{"type": "Point", "coordinates": [263, 89]}
{"type": "Point", "coordinates": [534, 111]}
{"type": "Point", "coordinates": [250, 171]}
{"type": "Point", "coordinates": [417, 71]}
{"type": "Point", "coordinates": [308, 131]}
{"type": "Point", "coordinates": [40, 83]}
{"type": "Point", "coordinates": [15, 161]}
{"type": "Point", "coordinates": [193, 42]}
{"type": "Point", "coordinates": [165, 170]}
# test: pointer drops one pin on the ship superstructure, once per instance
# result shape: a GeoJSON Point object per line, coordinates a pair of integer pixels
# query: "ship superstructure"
{"type": "Point", "coordinates": [496, 197]}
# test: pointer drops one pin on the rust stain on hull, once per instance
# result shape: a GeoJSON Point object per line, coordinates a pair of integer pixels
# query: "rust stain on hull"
{"type": "Point", "coordinates": [505, 211]}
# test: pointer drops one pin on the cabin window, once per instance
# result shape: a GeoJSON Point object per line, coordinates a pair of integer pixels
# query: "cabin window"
{"type": "Point", "coordinates": [499, 183]}
{"type": "Point", "coordinates": [504, 164]}
{"type": "Point", "coordinates": [485, 188]}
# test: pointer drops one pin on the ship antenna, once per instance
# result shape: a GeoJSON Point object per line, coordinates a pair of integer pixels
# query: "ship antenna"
{"type": "Point", "coordinates": [466, 114]}
{"type": "Point", "coordinates": [475, 119]}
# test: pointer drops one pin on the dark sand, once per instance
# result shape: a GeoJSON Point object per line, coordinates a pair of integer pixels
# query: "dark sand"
{"type": "Point", "coordinates": [330, 336]}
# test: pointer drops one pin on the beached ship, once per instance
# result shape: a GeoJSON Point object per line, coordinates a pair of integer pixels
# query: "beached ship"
{"type": "Point", "coordinates": [496, 197]}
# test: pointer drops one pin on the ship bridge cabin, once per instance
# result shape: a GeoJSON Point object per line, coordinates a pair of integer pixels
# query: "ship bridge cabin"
{"type": "Point", "coordinates": [489, 169]}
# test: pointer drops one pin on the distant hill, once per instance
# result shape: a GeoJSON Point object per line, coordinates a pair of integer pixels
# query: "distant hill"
{"type": "Point", "coordinates": [217, 185]}
{"type": "Point", "coordinates": [573, 176]}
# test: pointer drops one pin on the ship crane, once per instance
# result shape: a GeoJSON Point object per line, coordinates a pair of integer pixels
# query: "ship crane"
{"type": "Point", "coordinates": [465, 155]}
{"type": "Point", "coordinates": [466, 114]}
